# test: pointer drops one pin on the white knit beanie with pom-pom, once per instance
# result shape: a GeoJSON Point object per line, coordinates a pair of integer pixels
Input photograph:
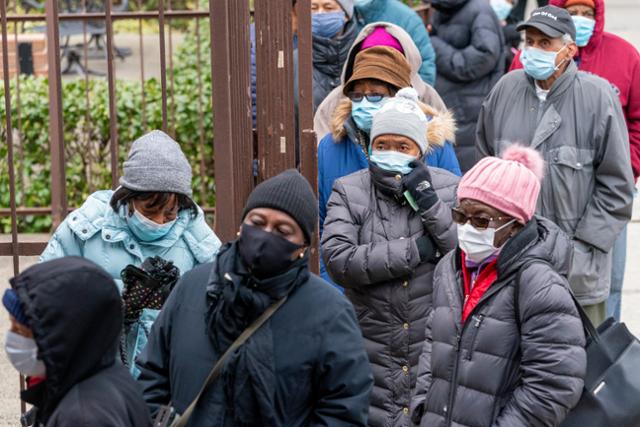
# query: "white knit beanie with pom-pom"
{"type": "Point", "coordinates": [402, 115]}
{"type": "Point", "coordinates": [510, 184]}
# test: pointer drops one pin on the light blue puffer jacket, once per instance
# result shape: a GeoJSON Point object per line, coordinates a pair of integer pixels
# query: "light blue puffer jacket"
{"type": "Point", "coordinates": [97, 232]}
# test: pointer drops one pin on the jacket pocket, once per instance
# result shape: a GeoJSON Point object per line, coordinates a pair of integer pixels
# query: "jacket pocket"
{"type": "Point", "coordinates": [584, 276]}
{"type": "Point", "coordinates": [477, 322]}
{"type": "Point", "coordinates": [571, 183]}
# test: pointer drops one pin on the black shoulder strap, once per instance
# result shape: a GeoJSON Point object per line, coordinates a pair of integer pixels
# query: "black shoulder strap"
{"type": "Point", "coordinates": [589, 329]}
{"type": "Point", "coordinates": [182, 420]}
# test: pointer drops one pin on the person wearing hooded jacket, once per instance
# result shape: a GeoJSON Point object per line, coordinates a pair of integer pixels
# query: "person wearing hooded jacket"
{"type": "Point", "coordinates": [150, 214]}
{"type": "Point", "coordinates": [589, 190]}
{"type": "Point", "coordinates": [324, 114]}
{"type": "Point", "coordinates": [386, 228]}
{"type": "Point", "coordinates": [470, 52]}
{"type": "Point", "coordinates": [305, 366]}
{"type": "Point", "coordinates": [504, 344]}
{"type": "Point", "coordinates": [597, 51]}
{"type": "Point", "coordinates": [379, 72]}
{"type": "Point", "coordinates": [67, 350]}
{"type": "Point", "coordinates": [397, 13]}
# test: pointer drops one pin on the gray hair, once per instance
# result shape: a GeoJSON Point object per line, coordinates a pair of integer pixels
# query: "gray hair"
{"type": "Point", "coordinates": [566, 39]}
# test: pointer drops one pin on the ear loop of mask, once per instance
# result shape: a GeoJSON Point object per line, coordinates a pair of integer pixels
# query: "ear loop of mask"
{"type": "Point", "coordinates": [561, 62]}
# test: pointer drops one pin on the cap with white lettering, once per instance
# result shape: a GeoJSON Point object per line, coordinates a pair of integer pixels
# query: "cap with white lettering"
{"type": "Point", "coordinates": [552, 21]}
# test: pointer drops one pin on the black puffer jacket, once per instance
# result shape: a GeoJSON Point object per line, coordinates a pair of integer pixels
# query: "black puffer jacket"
{"type": "Point", "coordinates": [75, 312]}
{"type": "Point", "coordinates": [329, 56]}
{"type": "Point", "coordinates": [502, 368]}
{"type": "Point", "coordinates": [369, 247]}
{"type": "Point", "coordinates": [470, 52]}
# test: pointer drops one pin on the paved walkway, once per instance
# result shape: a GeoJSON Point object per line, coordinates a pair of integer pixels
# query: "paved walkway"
{"type": "Point", "coordinates": [622, 18]}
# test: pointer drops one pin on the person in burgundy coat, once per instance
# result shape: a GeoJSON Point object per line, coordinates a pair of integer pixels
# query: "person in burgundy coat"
{"type": "Point", "coordinates": [616, 60]}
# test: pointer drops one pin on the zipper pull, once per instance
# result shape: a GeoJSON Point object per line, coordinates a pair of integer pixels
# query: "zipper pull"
{"type": "Point", "coordinates": [478, 320]}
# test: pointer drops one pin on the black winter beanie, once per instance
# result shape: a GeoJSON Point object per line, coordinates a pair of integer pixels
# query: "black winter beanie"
{"type": "Point", "coordinates": [291, 193]}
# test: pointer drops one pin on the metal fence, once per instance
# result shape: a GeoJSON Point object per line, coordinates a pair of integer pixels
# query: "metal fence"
{"type": "Point", "coordinates": [244, 155]}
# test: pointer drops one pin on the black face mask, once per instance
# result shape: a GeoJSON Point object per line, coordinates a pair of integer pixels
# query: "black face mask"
{"type": "Point", "coordinates": [265, 254]}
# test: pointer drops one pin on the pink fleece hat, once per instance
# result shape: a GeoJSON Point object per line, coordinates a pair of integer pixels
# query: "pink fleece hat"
{"type": "Point", "coordinates": [510, 184]}
{"type": "Point", "coordinates": [381, 37]}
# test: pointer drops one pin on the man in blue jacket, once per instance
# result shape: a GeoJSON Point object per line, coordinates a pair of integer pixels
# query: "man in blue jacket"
{"type": "Point", "coordinates": [396, 12]}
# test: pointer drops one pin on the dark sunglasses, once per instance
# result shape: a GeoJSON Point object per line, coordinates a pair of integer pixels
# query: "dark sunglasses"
{"type": "Point", "coordinates": [479, 222]}
{"type": "Point", "coordinates": [371, 97]}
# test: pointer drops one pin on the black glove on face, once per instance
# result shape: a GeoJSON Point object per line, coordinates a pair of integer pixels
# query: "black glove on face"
{"type": "Point", "coordinates": [418, 183]}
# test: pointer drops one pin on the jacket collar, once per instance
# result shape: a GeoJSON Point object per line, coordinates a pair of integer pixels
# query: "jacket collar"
{"type": "Point", "coordinates": [386, 182]}
{"type": "Point", "coordinates": [330, 54]}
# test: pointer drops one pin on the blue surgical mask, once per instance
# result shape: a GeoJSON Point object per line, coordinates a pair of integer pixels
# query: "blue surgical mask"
{"type": "Point", "coordinates": [363, 112]}
{"type": "Point", "coordinates": [147, 230]}
{"type": "Point", "coordinates": [539, 63]}
{"type": "Point", "coordinates": [362, 3]}
{"type": "Point", "coordinates": [327, 25]}
{"type": "Point", "coordinates": [502, 8]}
{"type": "Point", "coordinates": [584, 29]}
{"type": "Point", "coordinates": [392, 161]}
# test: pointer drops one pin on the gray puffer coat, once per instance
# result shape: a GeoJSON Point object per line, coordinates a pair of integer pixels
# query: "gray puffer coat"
{"type": "Point", "coordinates": [502, 368]}
{"type": "Point", "coordinates": [369, 248]}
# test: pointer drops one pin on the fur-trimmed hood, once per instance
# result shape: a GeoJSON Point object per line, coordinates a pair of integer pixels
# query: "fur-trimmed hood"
{"type": "Point", "coordinates": [441, 128]}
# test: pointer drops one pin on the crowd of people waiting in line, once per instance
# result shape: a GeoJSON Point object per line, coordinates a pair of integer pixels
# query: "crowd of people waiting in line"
{"type": "Point", "coordinates": [461, 210]}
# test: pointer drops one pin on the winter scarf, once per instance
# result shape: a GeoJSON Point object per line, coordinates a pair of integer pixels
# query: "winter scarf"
{"type": "Point", "coordinates": [235, 300]}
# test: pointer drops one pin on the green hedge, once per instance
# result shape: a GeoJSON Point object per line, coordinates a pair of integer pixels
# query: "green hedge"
{"type": "Point", "coordinates": [87, 157]}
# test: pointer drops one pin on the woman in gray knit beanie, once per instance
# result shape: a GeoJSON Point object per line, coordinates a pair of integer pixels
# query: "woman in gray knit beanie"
{"type": "Point", "coordinates": [386, 228]}
{"type": "Point", "coordinates": [150, 215]}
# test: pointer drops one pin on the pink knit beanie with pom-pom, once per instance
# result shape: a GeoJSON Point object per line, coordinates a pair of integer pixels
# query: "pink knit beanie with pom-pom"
{"type": "Point", "coordinates": [510, 184]}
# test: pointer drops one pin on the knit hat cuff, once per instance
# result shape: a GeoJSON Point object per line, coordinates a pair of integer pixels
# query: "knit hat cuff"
{"type": "Point", "coordinates": [165, 181]}
{"type": "Point", "coordinates": [498, 201]}
{"type": "Point", "coordinates": [12, 303]}
{"type": "Point", "coordinates": [393, 123]}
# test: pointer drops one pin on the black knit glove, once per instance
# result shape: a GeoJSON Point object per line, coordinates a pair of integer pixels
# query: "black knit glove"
{"type": "Point", "coordinates": [426, 248]}
{"type": "Point", "coordinates": [418, 183]}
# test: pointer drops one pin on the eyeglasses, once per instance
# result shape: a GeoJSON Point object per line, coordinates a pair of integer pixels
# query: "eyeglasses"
{"type": "Point", "coordinates": [479, 222]}
{"type": "Point", "coordinates": [371, 97]}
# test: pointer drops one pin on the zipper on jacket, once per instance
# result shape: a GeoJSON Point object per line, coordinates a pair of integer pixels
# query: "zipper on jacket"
{"type": "Point", "coordinates": [454, 377]}
{"type": "Point", "coordinates": [476, 326]}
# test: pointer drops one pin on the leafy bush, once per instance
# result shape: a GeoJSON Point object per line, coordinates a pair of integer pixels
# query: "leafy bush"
{"type": "Point", "coordinates": [87, 134]}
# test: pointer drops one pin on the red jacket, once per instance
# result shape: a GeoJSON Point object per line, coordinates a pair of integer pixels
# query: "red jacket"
{"type": "Point", "coordinates": [617, 61]}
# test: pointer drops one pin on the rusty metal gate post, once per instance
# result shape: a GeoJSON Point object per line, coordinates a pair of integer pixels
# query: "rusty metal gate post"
{"type": "Point", "coordinates": [275, 87]}
{"type": "Point", "coordinates": [233, 141]}
{"type": "Point", "coordinates": [306, 136]}
{"type": "Point", "coordinates": [56, 131]}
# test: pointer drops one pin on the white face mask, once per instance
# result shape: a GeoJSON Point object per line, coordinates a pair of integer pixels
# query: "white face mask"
{"type": "Point", "coordinates": [23, 355]}
{"type": "Point", "coordinates": [478, 244]}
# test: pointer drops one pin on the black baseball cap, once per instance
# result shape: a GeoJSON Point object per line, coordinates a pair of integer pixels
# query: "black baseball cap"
{"type": "Point", "coordinates": [552, 21]}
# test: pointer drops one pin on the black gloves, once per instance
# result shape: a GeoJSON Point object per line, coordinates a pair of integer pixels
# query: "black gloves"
{"type": "Point", "coordinates": [427, 248]}
{"type": "Point", "coordinates": [418, 183]}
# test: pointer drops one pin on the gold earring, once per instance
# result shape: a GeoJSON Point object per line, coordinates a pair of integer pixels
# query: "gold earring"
{"type": "Point", "coordinates": [301, 255]}
{"type": "Point", "coordinates": [237, 234]}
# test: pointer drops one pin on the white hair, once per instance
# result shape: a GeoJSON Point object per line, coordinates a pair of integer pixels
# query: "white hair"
{"type": "Point", "coordinates": [566, 39]}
